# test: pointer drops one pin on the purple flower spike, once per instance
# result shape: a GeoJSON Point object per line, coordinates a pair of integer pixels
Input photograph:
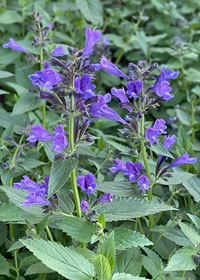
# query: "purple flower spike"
{"type": "Point", "coordinates": [109, 67]}
{"type": "Point", "coordinates": [87, 183]}
{"type": "Point", "coordinates": [119, 166]}
{"type": "Point", "coordinates": [168, 141]}
{"type": "Point", "coordinates": [59, 51]}
{"type": "Point", "coordinates": [163, 90]}
{"type": "Point", "coordinates": [184, 159]}
{"type": "Point", "coordinates": [92, 37]}
{"type": "Point", "coordinates": [84, 87]}
{"type": "Point", "coordinates": [134, 88]}
{"type": "Point", "coordinates": [133, 170]}
{"type": "Point", "coordinates": [121, 95]}
{"type": "Point", "coordinates": [84, 205]}
{"type": "Point", "coordinates": [105, 198]}
{"type": "Point", "coordinates": [47, 78]}
{"type": "Point", "coordinates": [152, 134]}
{"type": "Point", "coordinates": [38, 133]}
{"type": "Point", "coordinates": [59, 142]}
{"type": "Point", "coordinates": [160, 126]}
{"type": "Point", "coordinates": [12, 44]}
{"type": "Point", "coordinates": [144, 182]}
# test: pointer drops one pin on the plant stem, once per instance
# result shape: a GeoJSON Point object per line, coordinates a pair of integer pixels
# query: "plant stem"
{"type": "Point", "coordinates": [148, 171]}
{"type": "Point", "coordinates": [193, 122]}
{"type": "Point", "coordinates": [49, 233]}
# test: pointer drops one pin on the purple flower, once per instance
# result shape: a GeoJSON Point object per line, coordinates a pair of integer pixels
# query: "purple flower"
{"type": "Point", "coordinates": [144, 182]}
{"type": "Point", "coordinates": [105, 198]}
{"type": "Point", "coordinates": [59, 142]}
{"type": "Point", "coordinates": [38, 133]}
{"type": "Point", "coordinates": [84, 205]}
{"type": "Point", "coordinates": [108, 66]}
{"type": "Point", "coordinates": [171, 120]}
{"type": "Point", "coordinates": [12, 44]}
{"type": "Point", "coordinates": [87, 183]}
{"type": "Point", "coordinates": [198, 107]}
{"type": "Point", "coordinates": [184, 159]}
{"type": "Point", "coordinates": [166, 76]}
{"type": "Point", "coordinates": [36, 192]}
{"type": "Point", "coordinates": [100, 109]}
{"type": "Point", "coordinates": [84, 87]}
{"type": "Point", "coordinates": [119, 166]}
{"type": "Point", "coordinates": [121, 95]}
{"type": "Point", "coordinates": [92, 37]}
{"type": "Point", "coordinates": [105, 40]}
{"type": "Point", "coordinates": [151, 134]}
{"type": "Point", "coordinates": [47, 78]}
{"type": "Point", "coordinates": [133, 170]}
{"type": "Point", "coordinates": [134, 88]}
{"type": "Point", "coordinates": [160, 126]}
{"type": "Point", "coordinates": [59, 51]}
{"type": "Point", "coordinates": [168, 141]}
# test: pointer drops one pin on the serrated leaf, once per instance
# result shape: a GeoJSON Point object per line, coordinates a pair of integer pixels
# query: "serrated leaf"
{"type": "Point", "coordinates": [122, 148]}
{"type": "Point", "coordinates": [38, 267]}
{"type": "Point", "coordinates": [42, 224]}
{"type": "Point", "coordinates": [191, 234]}
{"type": "Point", "coordinates": [195, 220]}
{"type": "Point", "coordinates": [61, 259]}
{"type": "Point", "coordinates": [181, 260]}
{"type": "Point", "coordinates": [11, 213]}
{"type": "Point", "coordinates": [193, 187]}
{"type": "Point", "coordinates": [106, 247]}
{"type": "Point", "coordinates": [127, 238]}
{"type": "Point", "coordinates": [142, 41]}
{"type": "Point", "coordinates": [60, 172]}
{"type": "Point", "coordinates": [178, 177]}
{"type": "Point", "coordinates": [128, 208]}
{"type": "Point", "coordinates": [9, 17]}
{"type": "Point", "coordinates": [4, 266]}
{"type": "Point", "coordinates": [92, 10]}
{"type": "Point", "coordinates": [124, 276]}
{"type": "Point", "coordinates": [119, 188]}
{"type": "Point", "coordinates": [160, 150]}
{"type": "Point", "coordinates": [129, 261]}
{"type": "Point", "coordinates": [78, 228]}
{"type": "Point", "coordinates": [5, 74]}
{"type": "Point", "coordinates": [86, 253]}
{"type": "Point", "coordinates": [102, 267]}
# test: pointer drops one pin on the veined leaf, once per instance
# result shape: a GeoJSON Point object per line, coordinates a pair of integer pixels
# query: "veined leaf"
{"type": "Point", "coordinates": [102, 267]}
{"type": "Point", "coordinates": [4, 266]}
{"type": "Point", "coordinates": [191, 234]}
{"type": "Point", "coordinates": [107, 248]}
{"type": "Point", "coordinates": [124, 276]}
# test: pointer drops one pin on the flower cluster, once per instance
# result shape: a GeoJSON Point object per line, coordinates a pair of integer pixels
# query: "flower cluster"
{"type": "Point", "coordinates": [36, 192]}
{"type": "Point", "coordinates": [132, 171]}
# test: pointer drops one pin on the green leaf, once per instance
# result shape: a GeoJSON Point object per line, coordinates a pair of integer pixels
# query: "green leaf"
{"type": "Point", "coordinates": [183, 143]}
{"type": "Point", "coordinates": [4, 266]}
{"type": "Point", "coordinates": [11, 213]}
{"type": "Point", "coordinates": [128, 208]}
{"type": "Point", "coordinates": [92, 10]}
{"type": "Point", "coordinates": [65, 203]}
{"type": "Point", "coordinates": [129, 261]}
{"type": "Point", "coordinates": [101, 220]}
{"type": "Point", "coordinates": [5, 74]}
{"type": "Point", "coordinates": [60, 172]}
{"type": "Point", "coordinates": [127, 238]}
{"type": "Point", "coordinates": [42, 224]}
{"type": "Point", "coordinates": [178, 177]}
{"type": "Point", "coordinates": [122, 148]}
{"type": "Point", "coordinates": [124, 276]}
{"type": "Point", "coordinates": [184, 118]}
{"type": "Point", "coordinates": [153, 264]}
{"type": "Point", "coordinates": [78, 228]}
{"type": "Point", "coordinates": [9, 17]}
{"type": "Point", "coordinates": [102, 267]}
{"type": "Point", "coordinates": [160, 150]}
{"type": "Point", "coordinates": [192, 186]}
{"type": "Point", "coordinates": [142, 41]}
{"type": "Point", "coordinates": [86, 253]}
{"type": "Point", "coordinates": [119, 188]}
{"type": "Point", "coordinates": [26, 103]}
{"type": "Point", "coordinates": [181, 260]}
{"type": "Point", "coordinates": [38, 267]}
{"type": "Point", "coordinates": [106, 247]}
{"type": "Point", "coordinates": [195, 220]}
{"type": "Point", "coordinates": [191, 234]}
{"type": "Point", "coordinates": [61, 259]}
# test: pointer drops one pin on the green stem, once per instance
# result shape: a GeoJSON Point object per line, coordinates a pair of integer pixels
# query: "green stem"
{"type": "Point", "coordinates": [140, 226]}
{"type": "Point", "coordinates": [12, 238]}
{"type": "Point", "coordinates": [49, 233]}
{"type": "Point", "coordinates": [192, 123]}
{"type": "Point", "coordinates": [148, 171]}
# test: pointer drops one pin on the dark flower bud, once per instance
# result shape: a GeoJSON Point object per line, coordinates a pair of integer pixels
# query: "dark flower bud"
{"type": "Point", "coordinates": [32, 28]}
{"type": "Point", "coordinates": [141, 63]}
{"type": "Point", "coordinates": [70, 50]}
{"type": "Point", "coordinates": [132, 66]}
{"type": "Point", "coordinates": [32, 90]}
{"type": "Point", "coordinates": [153, 67]}
{"type": "Point", "coordinates": [80, 53]}
{"type": "Point", "coordinates": [59, 157]}
{"type": "Point", "coordinates": [8, 138]}
{"type": "Point", "coordinates": [197, 259]}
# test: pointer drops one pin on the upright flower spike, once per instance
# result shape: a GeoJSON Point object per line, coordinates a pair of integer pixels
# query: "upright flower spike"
{"type": "Point", "coordinates": [86, 183]}
{"type": "Point", "coordinates": [59, 51]}
{"type": "Point", "coordinates": [134, 88]}
{"type": "Point", "coordinates": [92, 37]}
{"type": "Point", "coordinates": [107, 66]}
{"type": "Point", "coordinates": [38, 133]}
{"type": "Point", "coordinates": [85, 89]}
{"type": "Point", "coordinates": [47, 78]}
{"type": "Point", "coordinates": [144, 182]}
{"type": "Point", "coordinates": [12, 44]}
{"type": "Point", "coordinates": [168, 141]}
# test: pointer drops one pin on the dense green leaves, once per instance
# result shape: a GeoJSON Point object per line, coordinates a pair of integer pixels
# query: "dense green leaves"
{"type": "Point", "coordinates": [4, 266]}
{"type": "Point", "coordinates": [92, 10]}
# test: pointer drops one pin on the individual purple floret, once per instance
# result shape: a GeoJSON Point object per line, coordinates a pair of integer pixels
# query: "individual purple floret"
{"type": "Point", "coordinates": [59, 51]}
{"type": "Point", "coordinates": [84, 87]}
{"type": "Point", "coordinates": [107, 66]}
{"type": "Point", "coordinates": [151, 134]}
{"type": "Point", "coordinates": [168, 141]}
{"type": "Point", "coordinates": [134, 88]}
{"type": "Point", "coordinates": [101, 109]}
{"type": "Point", "coordinates": [119, 166]}
{"type": "Point", "coordinates": [133, 170]}
{"type": "Point", "coordinates": [87, 183]}
{"type": "Point", "coordinates": [105, 40]}
{"type": "Point", "coordinates": [160, 126]}
{"type": "Point", "coordinates": [84, 205]}
{"type": "Point", "coordinates": [36, 192]}
{"type": "Point", "coordinates": [184, 159]}
{"type": "Point", "coordinates": [59, 129]}
{"type": "Point", "coordinates": [59, 142]}
{"type": "Point", "coordinates": [12, 44]}
{"type": "Point", "coordinates": [144, 182]}
{"type": "Point", "coordinates": [47, 78]}
{"type": "Point", "coordinates": [166, 75]}
{"type": "Point", "coordinates": [121, 95]}
{"type": "Point", "coordinates": [92, 37]}
{"type": "Point", "coordinates": [38, 133]}
{"type": "Point", "coordinates": [105, 198]}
